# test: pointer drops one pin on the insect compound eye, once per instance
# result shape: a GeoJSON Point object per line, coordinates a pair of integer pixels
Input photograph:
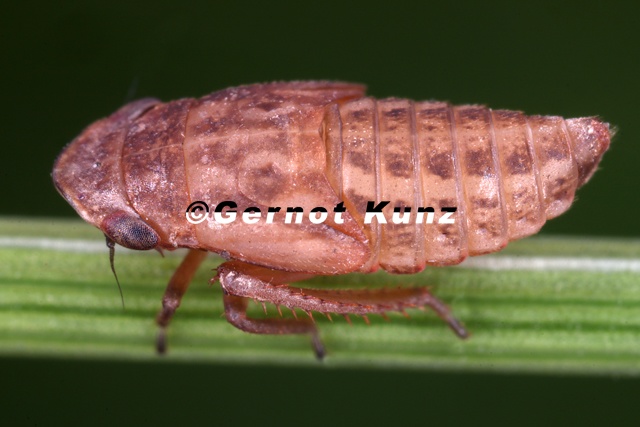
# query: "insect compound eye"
{"type": "Point", "coordinates": [129, 231]}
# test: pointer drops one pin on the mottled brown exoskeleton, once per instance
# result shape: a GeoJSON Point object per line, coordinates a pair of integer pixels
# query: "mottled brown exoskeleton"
{"type": "Point", "coordinates": [316, 144]}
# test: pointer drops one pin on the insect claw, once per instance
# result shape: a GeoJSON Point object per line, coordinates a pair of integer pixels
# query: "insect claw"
{"type": "Point", "coordinates": [366, 319]}
{"type": "Point", "coordinates": [293, 311]}
{"type": "Point", "coordinates": [279, 310]}
{"type": "Point", "coordinates": [264, 307]}
{"type": "Point", "coordinates": [457, 327]}
{"type": "Point", "coordinates": [404, 313]}
{"type": "Point", "coordinates": [346, 317]}
{"type": "Point", "coordinates": [384, 316]}
{"type": "Point", "coordinates": [318, 347]}
{"type": "Point", "coordinates": [328, 315]}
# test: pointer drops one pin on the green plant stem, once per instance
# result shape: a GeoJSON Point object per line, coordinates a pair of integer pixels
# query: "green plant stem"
{"type": "Point", "coordinates": [542, 314]}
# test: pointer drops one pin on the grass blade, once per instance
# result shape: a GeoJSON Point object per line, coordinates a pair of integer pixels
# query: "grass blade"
{"type": "Point", "coordinates": [567, 305]}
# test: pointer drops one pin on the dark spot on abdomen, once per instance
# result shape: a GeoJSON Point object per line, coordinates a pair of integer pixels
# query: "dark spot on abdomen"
{"type": "Point", "coordinates": [441, 165]}
{"type": "Point", "coordinates": [479, 162]}
{"type": "Point", "coordinates": [518, 163]}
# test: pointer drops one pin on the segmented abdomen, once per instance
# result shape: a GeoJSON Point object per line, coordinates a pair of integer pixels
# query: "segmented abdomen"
{"type": "Point", "coordinates": [506, 173]}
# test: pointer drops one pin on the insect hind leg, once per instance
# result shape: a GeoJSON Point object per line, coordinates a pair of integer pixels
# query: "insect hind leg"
{"type": "Point", "coordinates": [240, 281]}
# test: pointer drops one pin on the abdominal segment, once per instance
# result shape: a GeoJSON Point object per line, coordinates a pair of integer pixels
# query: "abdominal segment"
{"type": "Point", "coordinates": [503, 172]}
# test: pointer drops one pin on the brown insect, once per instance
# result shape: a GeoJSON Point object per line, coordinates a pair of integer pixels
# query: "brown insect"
{"type": "Point", "coordinates": [317, 144]}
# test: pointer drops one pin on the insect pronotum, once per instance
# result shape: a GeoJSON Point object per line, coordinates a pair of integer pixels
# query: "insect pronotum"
{"type": "Point", "coordinates": [322, 144]}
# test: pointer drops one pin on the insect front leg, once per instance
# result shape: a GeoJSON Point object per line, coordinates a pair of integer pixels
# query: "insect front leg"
{"type": "Point", "coordinates": [175, 290]}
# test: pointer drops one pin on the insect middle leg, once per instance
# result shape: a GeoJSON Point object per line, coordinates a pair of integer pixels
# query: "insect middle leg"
{"type": "Point", "coordinates": [240, 281]}
{"type": "Point", "coordinates": [235, 309]}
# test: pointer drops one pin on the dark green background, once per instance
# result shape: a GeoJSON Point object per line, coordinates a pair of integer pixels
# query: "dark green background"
{"type": "Point", "coordinates": [65, 65]}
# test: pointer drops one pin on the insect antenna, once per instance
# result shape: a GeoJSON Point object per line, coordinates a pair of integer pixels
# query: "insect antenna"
{"type": "Point", "coordinates": [112, 251]}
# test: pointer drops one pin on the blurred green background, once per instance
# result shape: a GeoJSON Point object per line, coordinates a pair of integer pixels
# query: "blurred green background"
{"type": "Point", "coordinates": [65, 64]}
